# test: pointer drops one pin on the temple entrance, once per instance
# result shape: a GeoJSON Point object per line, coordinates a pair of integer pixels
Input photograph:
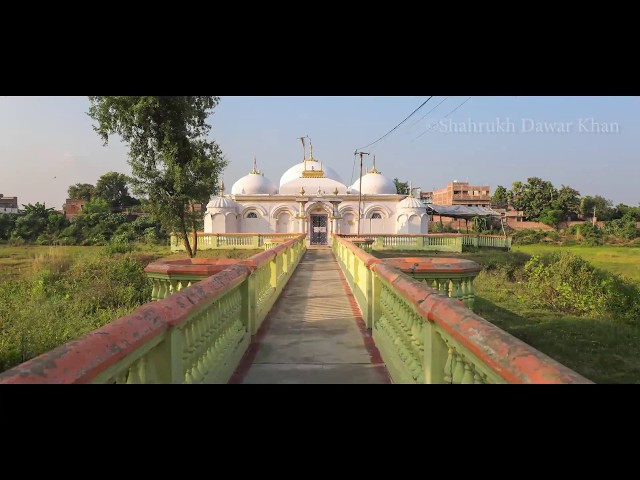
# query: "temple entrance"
{"type": "Point", "coordinates": [318, 230]}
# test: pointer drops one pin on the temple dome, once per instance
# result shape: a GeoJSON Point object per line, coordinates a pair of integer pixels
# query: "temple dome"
{"type": "Point", "coordinates": [411, 203]}
{"type": "Point", "coordinates": [222, 203]}
{"type": "Point", "coordinates": [255, 183]}
{"type": "Point", "coordinates": [310, 164]}
{"type": "Point", "coordinates": [374, 183]}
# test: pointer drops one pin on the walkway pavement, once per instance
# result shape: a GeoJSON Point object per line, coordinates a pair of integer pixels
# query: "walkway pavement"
{"type": "Point", "coordinates": [314, 332]}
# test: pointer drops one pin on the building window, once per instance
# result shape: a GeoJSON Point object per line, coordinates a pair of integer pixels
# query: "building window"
{"type": "Point", "coordinates": [252, 215]}
{"type": "Point", "coordinates": [376, 216]}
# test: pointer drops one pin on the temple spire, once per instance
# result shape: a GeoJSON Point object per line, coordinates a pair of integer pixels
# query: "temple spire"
{"type": "Point", "coordinates": [255, 167]}
{"type": "Point", "coordinates": [374, 169]}
{"type": "Point", "coordinates": [221, 188]}
{"type": "Point", "coordinates": [310, 150]}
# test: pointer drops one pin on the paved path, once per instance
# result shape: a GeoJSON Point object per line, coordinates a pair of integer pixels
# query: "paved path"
{"type": "Point", "coordinates": [314, 332]}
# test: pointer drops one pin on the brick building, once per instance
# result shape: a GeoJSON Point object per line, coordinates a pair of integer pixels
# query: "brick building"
{"type": "Point", "coordinates": [73, 207]}
{"type": "Point", "coordinates": [8, 204]}
{"type": "Point", "coordinates": [460, 193]}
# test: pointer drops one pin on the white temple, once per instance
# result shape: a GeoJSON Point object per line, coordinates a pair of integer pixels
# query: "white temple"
{"type": "Point", "coordinates": [311, 198]}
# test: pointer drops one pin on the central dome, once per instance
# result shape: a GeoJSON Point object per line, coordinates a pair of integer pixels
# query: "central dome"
{"type": "Point", "coordinates": [310, 164]}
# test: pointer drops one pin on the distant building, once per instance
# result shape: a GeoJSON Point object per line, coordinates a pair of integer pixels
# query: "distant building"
{"type": "Point", "coordinates": [8, 204]}
{"type": "Point", "coordinates": [73, 207]}
{"type": "Point", "coordinates": [459, 193]}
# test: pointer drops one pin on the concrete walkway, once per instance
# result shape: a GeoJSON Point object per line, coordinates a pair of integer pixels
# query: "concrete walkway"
{"type": "Point", "coordinates": [314, 332]}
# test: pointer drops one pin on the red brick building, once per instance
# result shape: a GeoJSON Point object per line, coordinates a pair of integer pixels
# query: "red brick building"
{"type": "Point", "coordinates": [460, 193]}
{"type": "Point", "coordinates": [73, 207]}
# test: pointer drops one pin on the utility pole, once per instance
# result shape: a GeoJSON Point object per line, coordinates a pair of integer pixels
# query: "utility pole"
{"type": "Point", "coordinates": [360, 188]}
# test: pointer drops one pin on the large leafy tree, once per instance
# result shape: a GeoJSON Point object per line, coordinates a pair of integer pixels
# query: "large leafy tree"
{"type": "Point", "coordinates": [567, 200]}
{"type": "Point", "coordinates": [401, 187]}
{"type": "Point", "coordinates": [84, 191]}
{"type": "Point", "coordinates": [38, 210]}
{"type": "Point", "coordinates": [500, 196]}
{"type": "Point", "coordinates": [173, 162]}
{"type": "Point", "coordinates": [602, 207]}
{"type": "Point", "coordinates": [112, 187]}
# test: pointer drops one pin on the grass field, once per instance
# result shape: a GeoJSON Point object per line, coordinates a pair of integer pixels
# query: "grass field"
{"type": "Point", "coordinates": [602, 350]}
{"type": "Point", "coordinates": [624, 261]}
{"type": "Point", "coordinates": [15, 262]}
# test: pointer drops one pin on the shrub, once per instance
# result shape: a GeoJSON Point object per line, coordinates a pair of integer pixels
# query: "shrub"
{"type": "Point", "coordinates": [570, 284]}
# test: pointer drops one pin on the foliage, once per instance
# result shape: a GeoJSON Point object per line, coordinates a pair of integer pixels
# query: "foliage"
{"type": "Point", "coordinates": [567, 201]}
{"type": "Point", "coordinates": [402, 188]}
{"type": "Point", "coordinates": [112, 187]}
{"type": "Point", "coordinates": [38, 210]}
{"type": "Point", "coordinates": [7, 224]}
{"type": "Point", "coordinates": [551, 217]}
{"type": "Point", "coordinates": [62, 301]}
{"type": "Point", "coordinates": [500, 196]}
{"type": "Point", "coordinates": [83, 191]}
{"type": "Point", "coordinates": [571, 284]}
{"type": "Point", "coordinates": [600, 205]}
{"type": "Point", "coordinates": [173, 163]}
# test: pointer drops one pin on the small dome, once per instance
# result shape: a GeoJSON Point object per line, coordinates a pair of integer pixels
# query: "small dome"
{"type": "Point", "coordinates": [374, 184]}
{"type": "Point", "coordinates": [222, 203]}
{"type": "Point", "coordinates": [411, 202]}
{"type": "Point", "coordinates": [254, 184]}
{"type": "Point", "coordinates": [327, 186]}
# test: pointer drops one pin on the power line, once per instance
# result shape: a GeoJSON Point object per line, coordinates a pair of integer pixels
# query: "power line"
{"type": "Point", "coordinates": [410, 115]}
{"type": "Point", "coordinates": [433, 124]}
{"type": "Point", "coordinates": [410, 126]}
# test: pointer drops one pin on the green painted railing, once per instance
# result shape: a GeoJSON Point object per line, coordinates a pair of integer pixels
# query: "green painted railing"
{"type": "Point", "coordinates": [442, 242]}
{"type": "Point", "coordinates": [196, 335]}
{"type": "Point", "coordinates": [211, 241]}
{"type": "Point", "coordinates": [426, 337]}
{"type": "Point", "coordinates": [452, 277]}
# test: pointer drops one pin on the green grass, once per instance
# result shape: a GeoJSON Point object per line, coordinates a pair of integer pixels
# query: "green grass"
{"type": "Point", "coordinates": [602, 350]}
{"type": "Point", "coordinates": [599, 349]}
{"type": "Point", "coordinates": [16, 262]}
{"type": "Point", "coordinates": [624, 261]}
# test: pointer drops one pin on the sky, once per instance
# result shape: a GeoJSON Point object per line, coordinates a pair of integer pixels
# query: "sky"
{"type": "Point", "coordinates": [589, 143]}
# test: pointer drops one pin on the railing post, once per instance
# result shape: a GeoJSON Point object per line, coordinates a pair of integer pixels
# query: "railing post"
{"type": "Point", "coordinates": [255, 241]}
{"type": "Point", "coordinates": [174, 350]}
{"type": "Point", "coordinates": [379, 243]}
{"type": "Point", "coordinates": [248, 292]}
{"type": "Point", "coordinates": [435, 355]}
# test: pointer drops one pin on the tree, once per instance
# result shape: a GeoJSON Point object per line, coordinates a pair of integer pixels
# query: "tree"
{"type": "Point", "coordinates": [112, 187]}
{"type": "Point", "coordinates": [173, 163]}
{"type": "Point", "coordinates": [552, 217]}
{"type": "Point", "coordinates": [38, 210]}
{"type": "Point", "coordinates": [500, 196]}
{"type": "Point", "coordinates": [567, 200]}
{"type": "Point", "coordinates": [401, 187]}
{"type": "Point", "coordinates": [84, 191]}
{"type": "Point", "coordinates": [533, 197]}
{"type": "Point", "coordinates": [598, 204]}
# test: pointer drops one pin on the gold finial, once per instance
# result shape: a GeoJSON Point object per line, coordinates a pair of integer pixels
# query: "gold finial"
{"type": "Point", "coordinates": [302, 192]}
{"type": "Point", "coordinates": [374, 169]}
{"type": "Point", "coordinates": [222, 188]}
{"type": "Point", "coordinates": [335, 192]}
{"type": "Point", "coordinates": [310, 150]}
{"type": "Point", "coordinates": [255, 170]}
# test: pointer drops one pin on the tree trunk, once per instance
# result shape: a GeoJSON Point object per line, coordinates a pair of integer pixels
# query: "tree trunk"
{"type": "Point", "coordinates": [183, 230]}
{"type": "Point", "coordinates": [194, 227]}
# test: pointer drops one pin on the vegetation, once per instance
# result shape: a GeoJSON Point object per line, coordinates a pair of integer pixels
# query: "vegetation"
{"type": "Point", "coordinates": [402, 188]}
{"type": "Point", "coordinates": [50, 295]}
{"type": "Point", "coordinates": [586, 318]}
{"type": "Point", "coordinates": [174, 164]}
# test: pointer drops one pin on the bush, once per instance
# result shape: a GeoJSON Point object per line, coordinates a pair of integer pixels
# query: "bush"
{"type": "Point", "coordinates": [570, 284]}
{"type": "Point", "coordinates": [119, 244]}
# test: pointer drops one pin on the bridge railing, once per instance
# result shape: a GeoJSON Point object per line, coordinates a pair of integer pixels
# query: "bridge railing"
{"type": "Point", "coordinates": [195, 335]}
{"type": "Point", "coordinates": [211, 241]}
{"type": "Point", "coordinates": [443, 242]}
{"type": "Point", "coordinates": [426, 337]}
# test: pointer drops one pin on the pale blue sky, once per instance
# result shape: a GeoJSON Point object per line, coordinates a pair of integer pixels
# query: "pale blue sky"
{"type": "Point", "coordinates": [46, 137]}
